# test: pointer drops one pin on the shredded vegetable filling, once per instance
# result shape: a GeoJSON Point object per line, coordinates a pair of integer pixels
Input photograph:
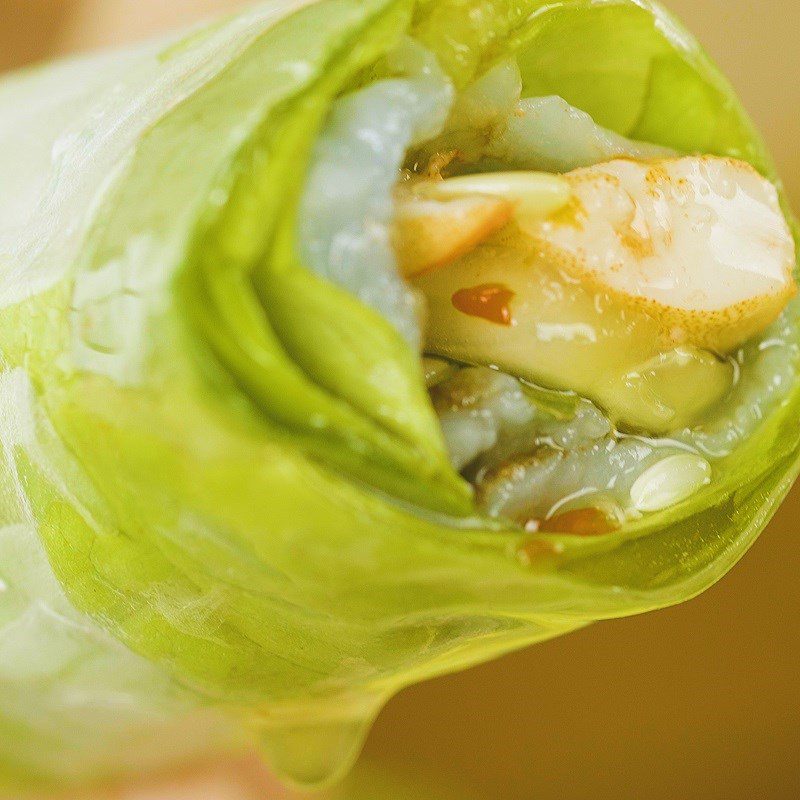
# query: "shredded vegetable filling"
{"type": "Point", "coordinates": [603, 320]}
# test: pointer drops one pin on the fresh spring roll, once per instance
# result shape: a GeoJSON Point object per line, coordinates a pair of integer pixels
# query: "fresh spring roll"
{"type": "Point", "coordinates": [352, 342]}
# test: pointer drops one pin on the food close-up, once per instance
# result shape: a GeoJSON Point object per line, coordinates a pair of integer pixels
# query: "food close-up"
{"type": "Point", "coordinates": [351, 343]}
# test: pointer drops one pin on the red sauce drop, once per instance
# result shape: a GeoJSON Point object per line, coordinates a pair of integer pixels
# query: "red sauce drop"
{"type": "Point", "coordinates": [580, 522]}
{"type": "Point", "coordinates": [489, 301]}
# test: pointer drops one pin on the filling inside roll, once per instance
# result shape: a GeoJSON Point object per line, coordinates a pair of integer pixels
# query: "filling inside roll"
{"type": "Point", "coordinates": [601, 320]}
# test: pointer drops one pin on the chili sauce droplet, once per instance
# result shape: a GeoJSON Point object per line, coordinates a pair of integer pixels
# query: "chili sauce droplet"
{"type": "Point", "coordinates": [581, 522]}
{"type": "Point", "coordinates": [489, 301]}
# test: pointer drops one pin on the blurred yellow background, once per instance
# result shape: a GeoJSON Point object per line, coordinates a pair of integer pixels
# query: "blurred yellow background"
{"type": "Point", "coordinates": [698, 702]}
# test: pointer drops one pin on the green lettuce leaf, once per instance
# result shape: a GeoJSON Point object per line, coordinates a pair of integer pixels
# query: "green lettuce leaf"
{"type": "Point", "coordinates": [232, 504]}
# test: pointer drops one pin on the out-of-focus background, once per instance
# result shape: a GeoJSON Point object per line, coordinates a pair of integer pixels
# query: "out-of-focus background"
{"type": "Point", "coordinates": [695, 703]}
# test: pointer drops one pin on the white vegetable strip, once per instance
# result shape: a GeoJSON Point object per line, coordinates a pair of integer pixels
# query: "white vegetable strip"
{"type": "Point", "coordinates": [670, 481]}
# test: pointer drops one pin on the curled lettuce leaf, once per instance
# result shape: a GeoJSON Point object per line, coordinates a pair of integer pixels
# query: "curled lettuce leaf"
{"type": "Point", "coordinates": [232, 464]}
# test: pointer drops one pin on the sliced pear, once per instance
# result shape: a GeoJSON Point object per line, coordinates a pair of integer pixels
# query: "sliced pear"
{"type": "Point", "coordinates": [699, 243]}
{"type": "Point", "coordinates": [628, 289]}
{"type": "Point", "coordinates": [429, 234]}
{"type": "Point", "coordinates": [505, 304]}
{"type": "Point", "coordinates": [438, 221]}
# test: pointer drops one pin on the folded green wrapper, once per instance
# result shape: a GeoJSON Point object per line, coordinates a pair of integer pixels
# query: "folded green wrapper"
{"type": "Point", "coordinates": [227, 504]}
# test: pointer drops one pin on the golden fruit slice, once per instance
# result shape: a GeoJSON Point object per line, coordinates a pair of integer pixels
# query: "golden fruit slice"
{"type": "Point", "coordinates": [437, 221]}
{"type": "Point", "coordinates": [430, 234]}
{"type": "Point", "coordinates": [625, 282]}
{"type": "Point", "coordinates": [699, 243]}
{"type": "Point", "coordinates": [505, 304]}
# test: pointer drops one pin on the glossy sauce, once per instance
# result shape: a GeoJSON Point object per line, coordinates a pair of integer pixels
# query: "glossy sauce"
{"type": "Point", "coordinates": [489, 301]}
{"type": "Point", "coordinates": [580, 522]}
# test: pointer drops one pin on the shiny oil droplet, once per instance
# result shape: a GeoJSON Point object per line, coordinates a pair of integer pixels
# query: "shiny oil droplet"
{"type": "Point", "coordinates": [581, 522]}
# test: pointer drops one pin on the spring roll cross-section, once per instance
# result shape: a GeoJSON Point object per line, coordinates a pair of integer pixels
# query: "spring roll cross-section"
{"type": "Point", "coordinates": [352, 342]}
